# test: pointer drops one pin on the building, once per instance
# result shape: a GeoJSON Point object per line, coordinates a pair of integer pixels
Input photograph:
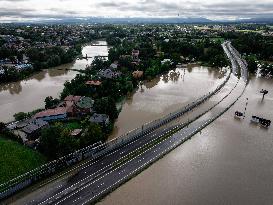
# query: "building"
{"type": "Point", "coordinates": [166, 61]}
{"type": "Point", "coordinates": [2, 71]}
{"type": "Point", "coordinates": [101, 119]}
{"type": "Point", "coordinates": [22, 67]}
{"type": "Point", "coordinates": [76, 132]}
{"type": "Point", "coordinates": [71, 107]}
{"type": "Point", "coordinates": [109, 74]}
{"type": "Point", "coordinates": [84, 106]}
{"type": "Point", "coordinates": [93, 83]}
{"type": "Point", "coordinates": [72, 98]}
{"type": "Point", "coordinates": [138, 74]}
{"type": "Point", "coordinates": [114, 65]}
{"type": "Point", "coordinates": [33, 129]}
{"type": "Point", "coordinates": [59, 113]}
{"type": "Point", "coordinates": [135, 55]}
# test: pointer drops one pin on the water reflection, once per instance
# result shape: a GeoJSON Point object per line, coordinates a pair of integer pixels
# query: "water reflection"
{"type": "Point", "coordinates": [29, 94]}
{"type": "Point", "coordinates": [162, 95]}
{"type": "Point", "coordinates": [13, 88]}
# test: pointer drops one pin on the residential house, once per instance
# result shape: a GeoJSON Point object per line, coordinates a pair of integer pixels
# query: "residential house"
{"type": "Point", "coordinates": [114, 66]}
{"type": "Point", "coordinates": [21, 67]}
{"type": "Point", "coordinates": [59, 113]}
{"type": "Point", "coordinates": [109, 74]}
{"type": "Point", "coordinates": [84, 106]}
{"type": "Point", "coordinates": [166, 61]}
{"type": "Point", "coordinates": [33, 129]}
{"type": "Point", "coordinates": [2, 71]}
{"type": "Point", "coordinates": [93, 83]}
{"type": "Point", "coordinates": [72, 106]}
{"type": "Point", "coordinates": [76, 133]}
{"type": "Point", "coordinates": [135, 55]}
{"type": "Point", "coordinates": [101, 119]}
{"type": "Point", "coordinates": [137, 74]}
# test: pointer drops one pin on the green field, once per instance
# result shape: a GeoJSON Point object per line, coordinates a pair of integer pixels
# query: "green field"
{"type": "Point", "coordinates": [17, 159]}
{"type": "Point", "coordinates": [73, 125]}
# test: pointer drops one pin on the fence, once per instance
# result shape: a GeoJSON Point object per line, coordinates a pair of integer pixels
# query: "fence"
{"type": "Point", "coordinates": [97, 150]}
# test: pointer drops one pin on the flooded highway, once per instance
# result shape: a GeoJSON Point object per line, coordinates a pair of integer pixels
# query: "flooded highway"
{"type": "Point", "coordinates": [28, 95]}
{"type": "Point", "coordinates": [229, 162]}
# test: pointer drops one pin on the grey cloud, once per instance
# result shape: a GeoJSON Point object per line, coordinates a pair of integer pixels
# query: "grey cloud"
{"type": "Point", "coordinates": [241, 9]}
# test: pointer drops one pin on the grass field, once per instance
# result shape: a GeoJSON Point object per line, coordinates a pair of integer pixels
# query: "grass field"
{"type": "Point", "coordinates": [16, 159]}
{"type": "Point", "coordinates": [72, 125]}
{"type": "Point", "coordinates": [218, 39]}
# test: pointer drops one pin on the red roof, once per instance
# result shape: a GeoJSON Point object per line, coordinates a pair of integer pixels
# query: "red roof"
{"type": "Point", "coordinates": [93, 82]}
{"type": "Point", "coordinates": [51, 112]}
{"type": "Point", "coordinates": [72, 98]}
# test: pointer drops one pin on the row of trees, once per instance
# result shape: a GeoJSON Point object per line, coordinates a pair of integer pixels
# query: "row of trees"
{"type": "Point", "coordinates": [11, 74]}
{"type": "Point", "coordinates": [50, 57]}
{"type": "Point", "coordinates": [56, 141]}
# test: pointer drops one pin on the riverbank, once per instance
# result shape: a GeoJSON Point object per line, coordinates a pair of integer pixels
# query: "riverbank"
{"type": "Point", "coordinates": [29, 94]}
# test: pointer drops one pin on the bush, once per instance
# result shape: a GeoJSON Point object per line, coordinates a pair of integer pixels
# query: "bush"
{"type": "Point", "coordinates": [20, 116]}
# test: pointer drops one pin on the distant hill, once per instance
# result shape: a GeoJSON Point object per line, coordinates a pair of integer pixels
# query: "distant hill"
{"type": "Point", "coordinates": [177, 20]}
{"type": "Point", "coordinates": [129, 20]}
{"type": "Point", "coordinates": [256, 20]}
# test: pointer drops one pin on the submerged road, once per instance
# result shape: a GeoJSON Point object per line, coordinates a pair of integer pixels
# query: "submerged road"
{"type": "Point", "coordinates": [95, 178]}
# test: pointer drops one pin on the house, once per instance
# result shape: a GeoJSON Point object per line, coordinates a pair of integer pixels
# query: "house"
{"type": "Point", "coordinates": [84, 106]}
{"type": "Point", "coordinates": [93, 83]}
{"type": "Point", "coordinates": [21, 67]}
{"type": "Point", "coordinates": [2, 71]}
{"type": "Point", "coordinates": [101, 119]}
{"type": "Point", "coordinates": [166, 61]}
{"type": "Point", "coordinates": [108, 73]}
{"type": "Point", "coordinates": [137, 74]}
{"type": "Point", "coordinates": [72, 106]}
{"type": "Point", "coordinates": [33, 128]}
{"type": "Point", "coordinates": [76, 132]}
{"type": "Point", "coordinates": [59, 113]}
{"type": "Point", "coordinates": [135, 55]}
{"type": "Point", "coordinates": [114, 65]}
{"type": "Point", "coordinates": [72, 98]}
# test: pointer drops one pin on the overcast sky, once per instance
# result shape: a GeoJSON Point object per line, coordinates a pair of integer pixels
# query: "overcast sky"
{"type": "Point", "coordinates": [18, 10]}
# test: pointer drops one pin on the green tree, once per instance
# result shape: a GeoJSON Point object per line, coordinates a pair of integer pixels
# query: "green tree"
{"type": "Point", "coordinates": [50, 102]}
{"type": "Point", "coordinates": [92, 134]}
{"type": "Point", "coordinates": [20, 116]}
{"type": "Point", "coordinates": [107, 106]}
{"type": "Point", "coordinates": [2, 126]}
{"type": "Point", "coordinates": [56, 141]}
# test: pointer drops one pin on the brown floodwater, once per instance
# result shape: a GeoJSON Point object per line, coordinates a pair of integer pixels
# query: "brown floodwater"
{"type": "Point", "coordinates": [230, 162]}
{"type": "Point", "coordinates": [165, 94]}
{"type": "Point", "coordinates": [29, 94]}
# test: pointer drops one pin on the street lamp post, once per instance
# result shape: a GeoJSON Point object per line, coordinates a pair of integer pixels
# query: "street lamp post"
{"type": "Point", "coordinates": [245, 107]}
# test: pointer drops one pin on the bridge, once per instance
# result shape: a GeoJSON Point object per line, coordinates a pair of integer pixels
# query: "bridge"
{"type": "Point", "coordinates": [109, 165]}
{"type": "Point", "coordinates": [98, 45]}
{"type": "Point", "coordinates": [87, 57]}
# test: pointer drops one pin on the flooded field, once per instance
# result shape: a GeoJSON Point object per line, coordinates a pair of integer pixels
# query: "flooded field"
{"type": "Point", "coordinates": [29, 94]}
{"type": "Point", "coordinates": [165, 94]}
{"type": "Point", "coordinates": [230, 162]}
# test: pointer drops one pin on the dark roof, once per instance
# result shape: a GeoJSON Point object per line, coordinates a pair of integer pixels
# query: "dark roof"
{"type": "Point", "coordinates": [99, 118]}
{"type": "Point", "coordinates": [34, 126]}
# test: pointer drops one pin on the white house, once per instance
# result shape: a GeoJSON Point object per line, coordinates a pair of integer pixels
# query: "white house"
{"type": "Point", "coordinates": [166, 61]}
{"type": "Point", "coordinates": [2, 71]}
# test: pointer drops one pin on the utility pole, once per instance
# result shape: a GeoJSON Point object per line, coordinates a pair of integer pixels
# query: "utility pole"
{"type": "Point", "coordinates": [245, 107]}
